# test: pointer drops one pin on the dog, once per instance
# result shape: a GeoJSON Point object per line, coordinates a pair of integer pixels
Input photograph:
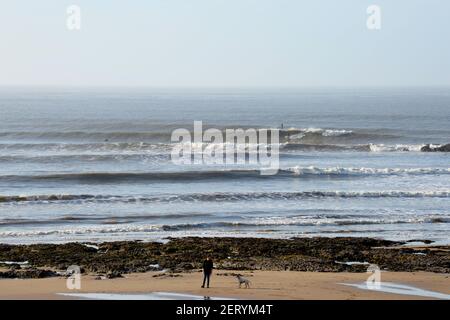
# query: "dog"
{"type": "Point", "coordinates": [244, 281]}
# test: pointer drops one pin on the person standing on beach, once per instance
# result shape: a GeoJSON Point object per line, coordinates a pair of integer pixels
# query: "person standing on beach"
{"type": "Point", "coordinates": [207, 270]}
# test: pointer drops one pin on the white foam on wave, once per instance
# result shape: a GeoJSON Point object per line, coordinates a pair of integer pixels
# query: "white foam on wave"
{"type": "Point", "coordinates": [82, 230]}
{"type": "Point", "coordinates": [300, 133]}
{"type": "Point", "coordinates": [297, 170]}
{"type": "Point", "coordinates": [335, 133]}
{"type": "Point", "coordinates": [224, 225]}
{"type": "Point", "coordinates": [325, 221]}
{"type": "Point", "coordinates": [397, 147]}
{"type": "Point", "coordinates": [226, 196]}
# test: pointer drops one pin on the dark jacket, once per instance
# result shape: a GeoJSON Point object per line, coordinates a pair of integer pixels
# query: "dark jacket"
{"type": "Point", "coordinates": [207, 266]}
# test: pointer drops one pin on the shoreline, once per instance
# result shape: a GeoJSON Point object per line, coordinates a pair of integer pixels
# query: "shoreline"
{"type": "Point", "coordinates": [272, 285]}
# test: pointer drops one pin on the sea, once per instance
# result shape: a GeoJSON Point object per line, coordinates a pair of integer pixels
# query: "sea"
{"type": "Point", "coordinates": [95, 164]}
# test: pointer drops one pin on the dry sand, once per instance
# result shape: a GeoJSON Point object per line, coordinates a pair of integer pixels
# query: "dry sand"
{"type": "Point", "coordinates": [265, 285]}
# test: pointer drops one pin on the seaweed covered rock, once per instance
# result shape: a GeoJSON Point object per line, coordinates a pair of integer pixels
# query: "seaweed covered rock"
{"type": "Point", "coordinates": [430, 148]}
{"type": "Point", "coordinates": [186, 254]}
{"type": "Point", "coordinates": [32, 273]}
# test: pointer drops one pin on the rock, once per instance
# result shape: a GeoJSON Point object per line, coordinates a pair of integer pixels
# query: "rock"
{"type": "Point", "coordinates": [15, 266]}
{"type": "Point", "coordinates": [187, 254]}
{"type": "Point", "coordinates": [430, 148]}
{"type": "Point", "coordinates": [185, 266]}
{"type": "Point", "coordinates": [30, 273]}
{"type": "Point", "coordinates": [167, 275]}
{"type": "Point", "coordinates": [232, 274]}
{"type": "Point", "coordinates": [38, 273]}
{"type": "Point", "coordinates": [113, 275]}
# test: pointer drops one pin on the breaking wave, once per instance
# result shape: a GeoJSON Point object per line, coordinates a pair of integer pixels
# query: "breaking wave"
{"type": "Point", "coordinates": [17, 150]}
{"type": "Point", "coordinates": [228, 196]}
{"type": "Point", "coordinates": [292, 172]}
{"type": "Point", "coordinates": [358, 147]}
{"type": "Point", "coordinates": [257, 223]}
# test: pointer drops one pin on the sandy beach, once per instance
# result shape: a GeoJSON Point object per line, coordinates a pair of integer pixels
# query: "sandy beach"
{"type": "Point", "coordinates": [264, 285]}
{"type": "Point", "coordinates": [316, 268]}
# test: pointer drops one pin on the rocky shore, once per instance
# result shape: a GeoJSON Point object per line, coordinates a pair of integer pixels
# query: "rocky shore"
{"type": "Point", "coordinates": [112, 259]}
{"type": "Point", "coordinates": [430, 148]}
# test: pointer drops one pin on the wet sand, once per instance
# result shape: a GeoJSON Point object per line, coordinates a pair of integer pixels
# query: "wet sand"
{"type": "Point", "coordinates": [264, 285]}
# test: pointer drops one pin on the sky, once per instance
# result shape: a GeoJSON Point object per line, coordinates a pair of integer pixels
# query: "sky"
{"type": "Point", "coordinates": [225, 43]}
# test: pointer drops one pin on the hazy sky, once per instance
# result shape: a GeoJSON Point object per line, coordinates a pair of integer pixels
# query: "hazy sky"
{"type": "Point", "coordinates": [225, 43]}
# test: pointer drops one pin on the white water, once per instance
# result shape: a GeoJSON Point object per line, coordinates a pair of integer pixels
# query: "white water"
{"type": "Point", "coordinates": [95, 166]}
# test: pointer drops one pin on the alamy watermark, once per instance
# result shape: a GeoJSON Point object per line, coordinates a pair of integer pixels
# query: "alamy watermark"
{"type": "Point", "coordinates": [258, 148]}
{"type": "Point", "coordinates": [73, 281]}
{"type": "Point", "coordinates": [374, 19]}
{"type": "Point", "coordinates": [73, 19]}
{"type": "Point", "coordinates": [373, 282]}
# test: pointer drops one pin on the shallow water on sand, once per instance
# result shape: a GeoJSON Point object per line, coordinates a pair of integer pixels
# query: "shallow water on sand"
{"type": "Point", "coordinates": [140, 296]}
{"type": "Point", "coordinates": [396, 288]}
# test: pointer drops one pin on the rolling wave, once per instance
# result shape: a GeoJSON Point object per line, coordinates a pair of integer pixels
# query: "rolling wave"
{"type": "Point", "coordinates": [86, 147]}
{"type": "Point", "coordinates": [20, 151]}
{"type": "Point", "coordinates": [315, 135]}
{"type": "Point", "coordinates": [358, 147]}
{"type": "Point", "coordinates": [292, 172]}
{"type": "Point", "coordinates": [149, 228]}
{"type": "Point", "coordinates": [227, 196]}
{"type": "Point", "coordinates": [305, 222]}
{"type": "Point", "coordinates": [118, 136]}
{"type": "Point", "coordinates": [97, 158]}
{"type": "Point", "coordinates": [365, 171]}
{"type": "Point", "coordinates": [99, 219]}
{"type": "Point", "coordinates": [158, 135]}
{"type": "Point", "coordinates": [299, 133]}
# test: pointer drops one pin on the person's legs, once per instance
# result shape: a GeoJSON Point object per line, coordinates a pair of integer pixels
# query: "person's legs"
{"type": "Point", "coordinates": [204, 280]}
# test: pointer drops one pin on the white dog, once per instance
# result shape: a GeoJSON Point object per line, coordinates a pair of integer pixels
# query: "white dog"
{"type": "Point", "coordinates": [244, 281]}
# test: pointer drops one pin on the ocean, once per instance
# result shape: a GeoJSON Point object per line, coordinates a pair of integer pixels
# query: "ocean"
{"type": "Point", "coordinates": [94, 164]}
